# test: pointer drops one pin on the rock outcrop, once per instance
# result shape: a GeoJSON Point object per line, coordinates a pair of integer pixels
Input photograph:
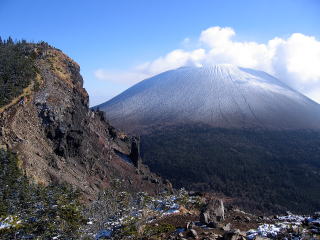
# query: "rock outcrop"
{"type": "Point", "coordinates": [213, 212]}
{"type": "Point", "coordinates": [60, 140]}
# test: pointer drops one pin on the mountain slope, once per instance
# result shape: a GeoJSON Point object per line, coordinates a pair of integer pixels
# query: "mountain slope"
{"type": "Point", "coordinates": [220, 95]}
{"type": "Point", "coordinates": [55, 135]}
{"type": "Point", "coordinates": [226, 129]}
{"type": "Point", "coordinates": [267, 171]}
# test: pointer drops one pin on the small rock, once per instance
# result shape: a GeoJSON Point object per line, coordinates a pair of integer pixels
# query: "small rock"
{"type": "Point", "coordinates": [183, 210]}
{"type": "Point", "coordinates": [316, 215]}
{"type": "Point", "coordinates": [237, 231]}
{"type": "Point", "coordinates": [192, 233]}
{"type": "Point", "coordinates": [213, 224]}
{"type": "Point", "coordinates": [190, 225]}
{"type": "Point", "coordinates": [230, 235]}
{"type": "Point", "coordinates": [154, 180]}
{"type": "Point", "coordinates": [288, 213]}
{"type": "Point", "coordinates": [315, 230]}
{"type": "Point", "coordinates": [262, 218]}
{"type": "Point", "coordinates": [261, 238]}
{"type": "Point", "coordinates": [204, 218]}
{"type": "Point", "coordinates": [227, 227]}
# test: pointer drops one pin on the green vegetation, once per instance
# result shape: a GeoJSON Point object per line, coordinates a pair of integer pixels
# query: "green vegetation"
{"type": "Point", "coordinates": [36, 211]}
{"type": "Point", "coordinates": [266, 171]}
{"type": "Point", "coordinates": [156, 230]}
{"type": "Point", "coordinates": [17, 69]}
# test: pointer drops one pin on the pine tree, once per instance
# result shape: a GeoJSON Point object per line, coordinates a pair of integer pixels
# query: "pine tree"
{"type": "Point", "coordinates": [10, 41]}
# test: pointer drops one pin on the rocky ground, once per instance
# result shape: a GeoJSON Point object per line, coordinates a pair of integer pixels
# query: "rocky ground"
{"type": "Point", "coordinates": [189, 215]}
{"type": "Point", "coordinates": [180, 216]}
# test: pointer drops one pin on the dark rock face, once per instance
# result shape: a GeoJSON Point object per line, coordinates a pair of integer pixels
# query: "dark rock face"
{"type": "Point", "coordinates": [135, 152]}
{"type": "Point", "coordinates": [59, 139]}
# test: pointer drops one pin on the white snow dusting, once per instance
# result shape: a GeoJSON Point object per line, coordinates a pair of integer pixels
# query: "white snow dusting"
{"type": "Point", "coordinates": [220, 95]}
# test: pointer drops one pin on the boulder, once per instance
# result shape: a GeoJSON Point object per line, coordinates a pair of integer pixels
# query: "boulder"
{"type": "Point", "coordinates": [212, 212]}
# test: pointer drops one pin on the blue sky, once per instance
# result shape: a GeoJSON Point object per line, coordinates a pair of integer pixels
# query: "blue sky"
{"type": "Point", "coordinates": [119, 35]}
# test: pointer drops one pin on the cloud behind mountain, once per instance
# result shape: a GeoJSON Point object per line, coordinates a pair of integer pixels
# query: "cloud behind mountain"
{"type": "Point", "coordinates": [294, 59]}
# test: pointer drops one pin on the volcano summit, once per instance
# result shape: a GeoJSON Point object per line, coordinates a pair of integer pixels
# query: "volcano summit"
{"type": "Point", "coordinates": [221, 96]}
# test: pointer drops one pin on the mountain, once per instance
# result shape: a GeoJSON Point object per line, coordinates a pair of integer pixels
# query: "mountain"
{"type": "Point", "coordinates": [62, 165]}
{"type": "Point", "coordinates": [221, 96]}
{"type": "Point", "coordinates": [236, 131]}
{"type": "Point", "coordinates": [46, 121]}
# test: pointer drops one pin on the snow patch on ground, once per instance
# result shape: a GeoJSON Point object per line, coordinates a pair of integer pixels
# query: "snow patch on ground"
{"type": "Point", "coordinates": [8, 222]}
{"type": "Point", "coordinates": [289, 221]}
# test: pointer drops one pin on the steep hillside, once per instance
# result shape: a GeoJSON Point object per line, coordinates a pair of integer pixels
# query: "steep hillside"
{"type": "Point", "coordinates": [262, 170]}
{"type": "Point", "coordinates": [57, 138]}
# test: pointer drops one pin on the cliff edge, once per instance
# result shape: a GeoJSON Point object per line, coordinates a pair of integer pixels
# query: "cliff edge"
{"type": "Point", "coordinates": [58, 139]}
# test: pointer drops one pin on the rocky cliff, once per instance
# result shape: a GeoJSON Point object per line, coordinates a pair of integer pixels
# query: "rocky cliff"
{"type": "Point", "coordinates": [58, 139]}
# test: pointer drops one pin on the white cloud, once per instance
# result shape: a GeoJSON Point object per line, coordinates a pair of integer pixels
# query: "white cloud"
{"type": "Point", "coordinates": [295, 60]}
{"type": "Point", "coordinates": [172, 60]}
{"type": "Point", "coordinates": [216, 37]}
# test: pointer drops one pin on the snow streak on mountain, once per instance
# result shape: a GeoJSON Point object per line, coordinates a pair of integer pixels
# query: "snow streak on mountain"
{"type": "Point", "coordinates": [221, 96]}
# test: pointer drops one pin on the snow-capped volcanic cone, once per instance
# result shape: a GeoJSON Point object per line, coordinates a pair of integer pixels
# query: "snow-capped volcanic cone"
{"type": "Point", "coordinates": [221, 96]}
